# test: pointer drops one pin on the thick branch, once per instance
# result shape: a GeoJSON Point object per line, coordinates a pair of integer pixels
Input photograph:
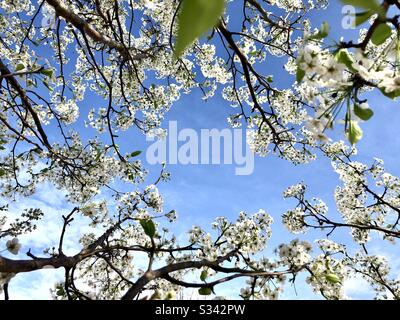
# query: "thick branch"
{"type": "Point", "coordinates": [16, 266]}
{"type": "Point", "coordinates": [215, 265]}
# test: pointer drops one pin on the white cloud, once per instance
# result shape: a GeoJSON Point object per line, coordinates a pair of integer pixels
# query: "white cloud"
{"type": "Point", "coordinates": [357, 288]}
{"type": "Point", "coordinates": [34, 285]}
{"type": "Point", "coordinates": [37, 284]}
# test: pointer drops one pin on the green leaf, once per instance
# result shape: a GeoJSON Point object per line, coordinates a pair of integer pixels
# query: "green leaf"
{"type": "Point", "coordinates": [354, 133]}
{"type": "Point", "coordinates": [332, 278]}
{"type": "Point", "coordinates": [169, 296]}
{"type": "Point", "coordinates": [2, 172]}
{"type": "Point", "coordinates": [363, 113]}
{"type": "Point", "coordinates": [300, 74]}
{"type": "Point", "coordinates": [381, 34]}
{"type": "Point", "coordinates": [148, 227]}
{"type": "Point", "coordinates": [47, 86]}
{"type": "Point", "coordinates": [322, 33]}
{"type": "Point", "coordinates": [19, 67]}
{"type": "Point", "coordinates": [47, 72]}
{"type": "Point", "coordinates": [60, 292]}
{"type": "Point", "coordinates": [195, 18]}
{"type": "Point", "coordinates": [362, 17]}
{"type": "Point", "coordinates": [45, 170]}
{"type": "Point", "coordinates": [134, 154]}
{"type": "Point", "coordinates": [205, 291]}
{"type": "Point", "coordinates": [392, 95]}
{"type": "Point", "coordinates": [37, 151]}
{"type": "Point", "coordinates": [365, 4]}
{"type": "Point", "coordinates": [344, 57]}
{"type": "Point", "coordinates": [324, 30]}
{"type": "Point", "coordinates": [203, 275]}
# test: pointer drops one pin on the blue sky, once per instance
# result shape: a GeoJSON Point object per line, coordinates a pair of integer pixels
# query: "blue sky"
{"type": "Point", "coordinates": [199, 193]}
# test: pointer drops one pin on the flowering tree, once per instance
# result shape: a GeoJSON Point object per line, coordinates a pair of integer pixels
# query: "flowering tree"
{"type": "Point", "coordinates": [139, 57]}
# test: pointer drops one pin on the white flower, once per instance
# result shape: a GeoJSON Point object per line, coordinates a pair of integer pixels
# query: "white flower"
{"type": "Point", "coordinates": [309, 60]}
{"type": "Point", "coordinates": [13, 246]}
{"type": "Point", "coordinates": [153, 198]}
{"type": "Point", "coordinates": [158, 133]}
{"type": "Point", "coordinates": [150, 4]}
{"type": "Point", "coordinates": [294, 191]}
{"type": "Point", "coordinates": [334, 70]}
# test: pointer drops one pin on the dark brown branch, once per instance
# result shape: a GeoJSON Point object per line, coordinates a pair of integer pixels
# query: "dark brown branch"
{"type": "Point", "coordinates": [95, 35]}
{"type": "Point", "coordinates": [245, 65]}
{"type": "Point", "coordinates": [21, 92]}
